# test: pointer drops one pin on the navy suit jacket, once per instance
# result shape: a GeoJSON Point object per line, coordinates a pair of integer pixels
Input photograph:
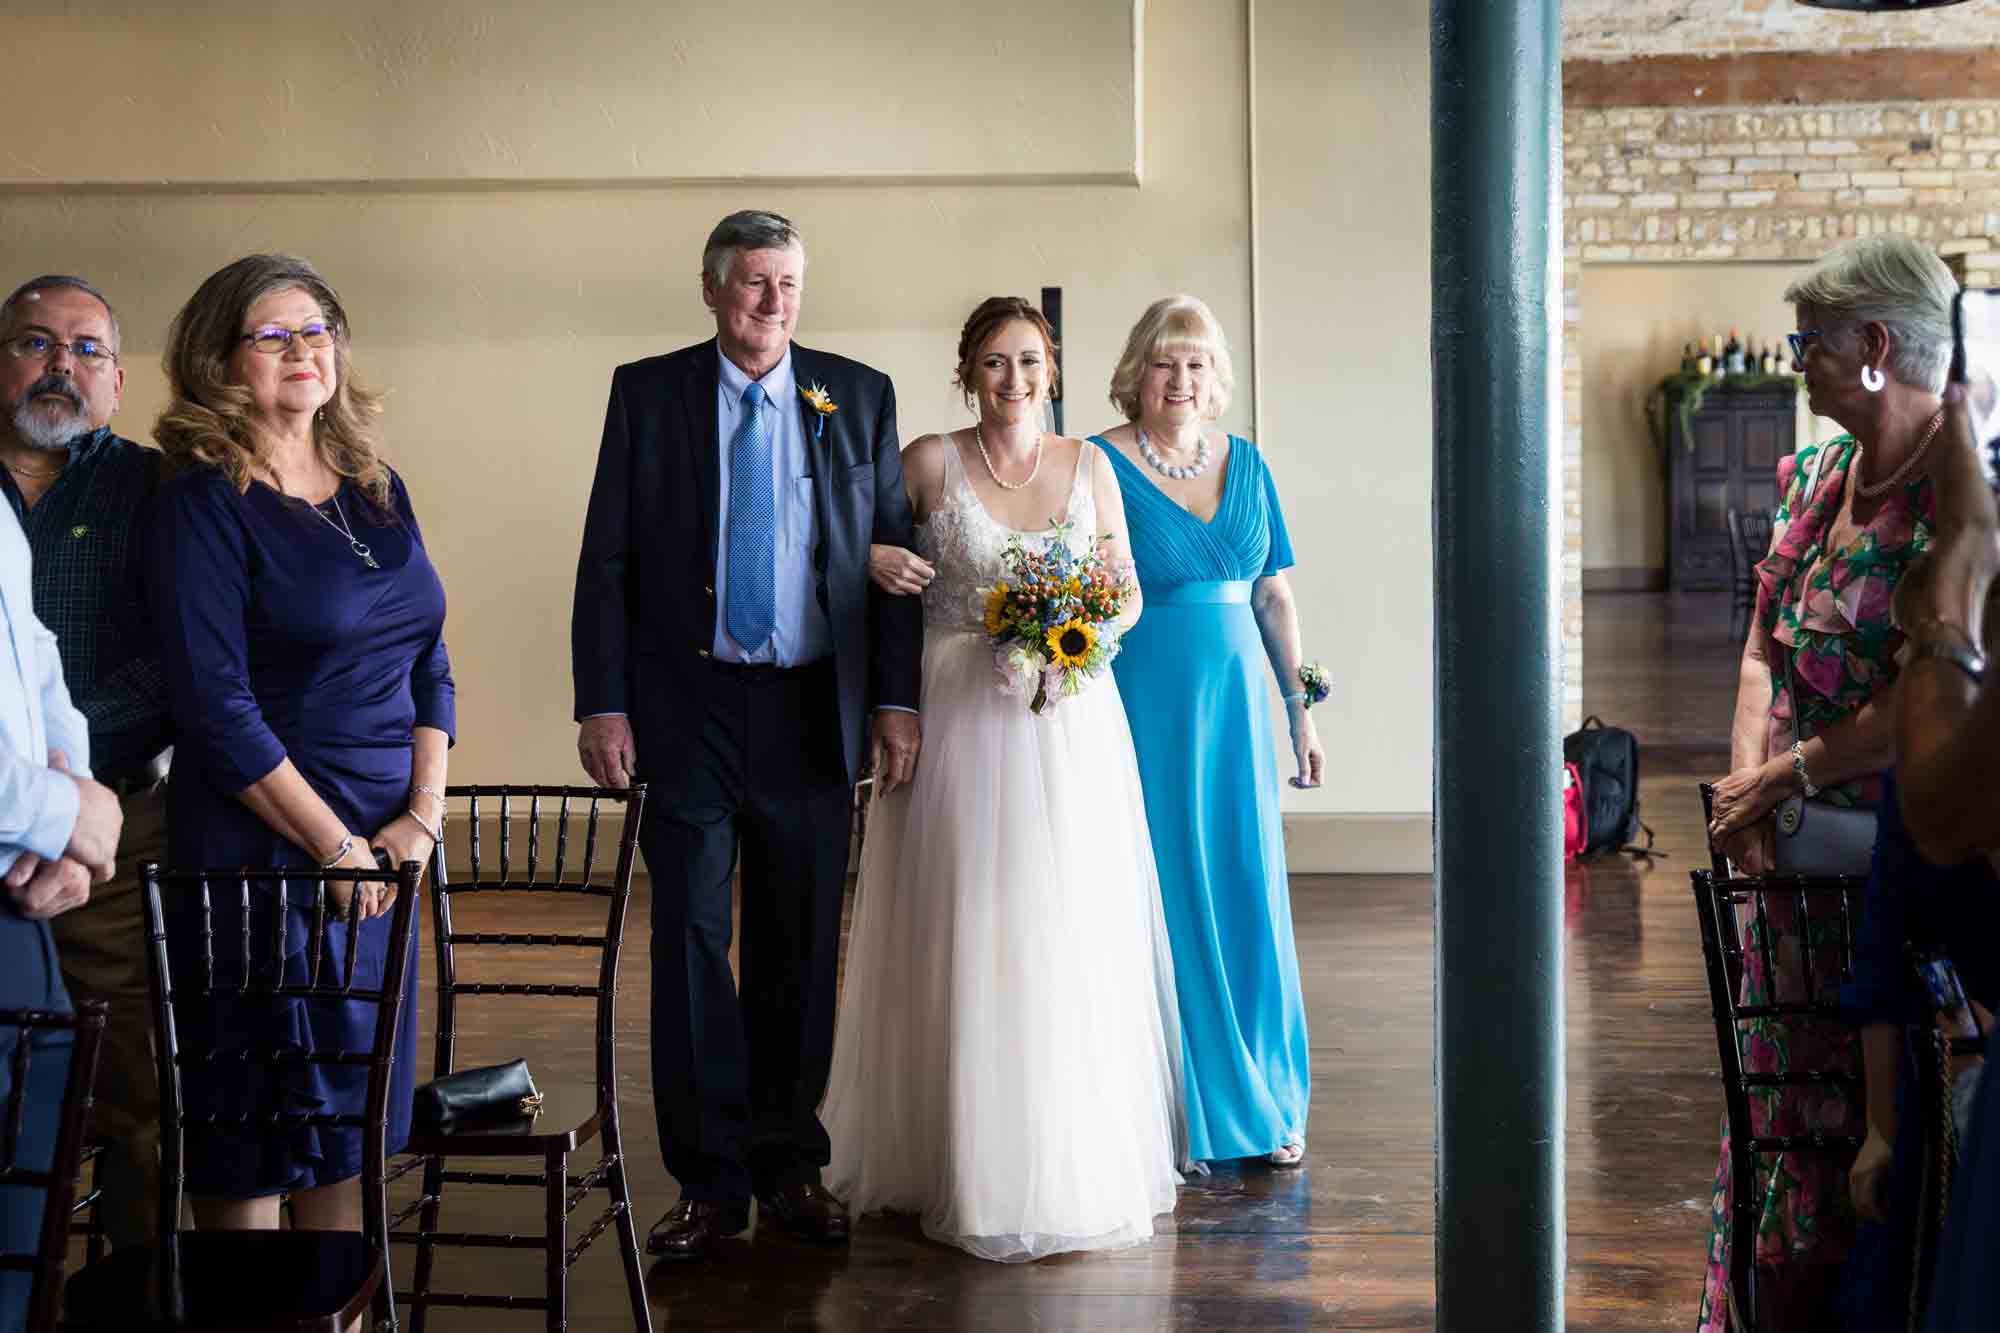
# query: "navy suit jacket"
{"type": "Point", "coordinates": [644, 618]}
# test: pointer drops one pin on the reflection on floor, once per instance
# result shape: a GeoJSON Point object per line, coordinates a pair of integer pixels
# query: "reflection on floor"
{"type": "Point", "coordinates": [1345, 1242]}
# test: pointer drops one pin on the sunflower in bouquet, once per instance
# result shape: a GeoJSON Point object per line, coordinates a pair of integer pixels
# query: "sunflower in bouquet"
{"type": "Point", "coordinates": [1051, 617]}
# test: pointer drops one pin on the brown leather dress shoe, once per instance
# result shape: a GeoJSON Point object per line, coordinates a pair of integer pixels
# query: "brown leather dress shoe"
{"type": "Point", "coordinates": [692, 1226]}
{"type": "Point", "coordinates": [807, 1211]}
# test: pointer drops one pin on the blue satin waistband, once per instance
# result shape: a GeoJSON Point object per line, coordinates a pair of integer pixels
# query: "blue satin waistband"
{"type": "Point", "coordinates": [1223, 591]}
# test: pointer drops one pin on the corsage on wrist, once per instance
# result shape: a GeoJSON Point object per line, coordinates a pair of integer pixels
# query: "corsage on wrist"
{"type": "Point", "coordinates": [1316, 685]}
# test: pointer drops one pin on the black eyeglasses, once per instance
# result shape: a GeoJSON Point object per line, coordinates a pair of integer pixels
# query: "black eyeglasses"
{"type": "Point", "coordinates": [1799, 342]}
{"type": "Point", "coordinates": [275, 338]}
{"type": "Point", "coordinates": [89, 352]}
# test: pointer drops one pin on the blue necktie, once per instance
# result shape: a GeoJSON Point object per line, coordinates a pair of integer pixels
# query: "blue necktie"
{"type": "Point", "coordinates": [752, 529]}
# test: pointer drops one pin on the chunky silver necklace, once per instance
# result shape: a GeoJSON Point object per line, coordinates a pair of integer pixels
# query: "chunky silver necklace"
{"type": "Point", "coordinates": [354, 543]}
{"type": "Point", "coordinates": [979, 438]}
{"type": "Point", "coordinates": [1203, 456]}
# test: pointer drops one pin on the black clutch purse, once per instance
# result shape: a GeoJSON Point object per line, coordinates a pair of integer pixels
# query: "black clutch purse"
{"type": "Point", "coordinates": [497, 1092]}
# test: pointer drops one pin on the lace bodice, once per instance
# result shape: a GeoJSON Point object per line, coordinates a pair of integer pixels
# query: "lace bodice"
{"type": "Point", "coordinates": [964, 543]}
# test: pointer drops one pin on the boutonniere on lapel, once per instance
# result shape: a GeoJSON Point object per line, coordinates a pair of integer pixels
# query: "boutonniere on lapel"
{"type": "Point", "coordinates": [821, 402]}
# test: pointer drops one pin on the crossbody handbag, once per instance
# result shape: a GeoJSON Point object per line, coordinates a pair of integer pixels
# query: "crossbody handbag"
{"type": "Point", "coordinates": [1815, 836]}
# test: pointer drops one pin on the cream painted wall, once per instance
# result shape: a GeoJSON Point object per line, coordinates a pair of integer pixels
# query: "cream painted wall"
{"type": "Point", "coordinates": [494, 312]}
{"type": "Point", "coordinates": [368, 91]}
{"type": "Point", "coordinates": [1343, 183]}
{"type": "Point", "coordinates": [1635, 319]}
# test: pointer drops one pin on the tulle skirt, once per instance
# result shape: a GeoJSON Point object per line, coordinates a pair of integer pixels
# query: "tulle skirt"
{"type": "Point", "coordinates": [1006, 1059]}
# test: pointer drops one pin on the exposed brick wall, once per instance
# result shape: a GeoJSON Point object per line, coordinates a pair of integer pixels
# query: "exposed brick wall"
{"type": "Point", "coordinates": [1762, 183]}
{"type": "Point", "coordinates": [1622, 29]}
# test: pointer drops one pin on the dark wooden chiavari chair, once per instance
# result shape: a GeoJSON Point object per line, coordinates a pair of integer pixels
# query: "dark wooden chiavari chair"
{"type": "Point", "coordinates": [297, 1281]}
{"type": "Point", "coordinates": [571, 1117]}
{"type": "Point", "coordinates": [1801, 932]}
{"type": "Point", "coordinates": [59, 1177]}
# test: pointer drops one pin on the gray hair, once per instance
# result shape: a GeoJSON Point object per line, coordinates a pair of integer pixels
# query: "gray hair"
{"type": "Point", "coordinates": [751, 229]}
{"type": "Point", "coordinates": [1896, 282]}
{"type": "Point", "coordinates": [10, 308]}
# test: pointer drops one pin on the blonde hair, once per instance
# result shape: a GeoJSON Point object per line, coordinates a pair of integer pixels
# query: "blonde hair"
{"type": "Point", "coordinates": [1174, 324]}
{"type": "Point", "coordinates": [208, 419]}
{"type": "Point", "coordinates": [1896, 282]}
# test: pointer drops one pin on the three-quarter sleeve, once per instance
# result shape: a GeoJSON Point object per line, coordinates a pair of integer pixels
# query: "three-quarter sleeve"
{"type": "Point", "coordinates": [431, 689]}
{"type": "Point", "coordinates": [1280, 556]}
{"type": "Point", "coordinates": [199, 586]}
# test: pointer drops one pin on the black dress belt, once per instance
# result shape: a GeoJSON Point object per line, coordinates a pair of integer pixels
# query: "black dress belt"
{"type": "Point", "coordinates": [758, 673]}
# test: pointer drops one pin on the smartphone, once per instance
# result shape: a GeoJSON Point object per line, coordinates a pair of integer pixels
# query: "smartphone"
{"type": "Point", "coordinates": [1975, 330]}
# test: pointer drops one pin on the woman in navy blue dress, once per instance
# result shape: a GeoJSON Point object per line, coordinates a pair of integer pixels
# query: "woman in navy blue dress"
{"type": "Point", "coordinates": [301, 622]}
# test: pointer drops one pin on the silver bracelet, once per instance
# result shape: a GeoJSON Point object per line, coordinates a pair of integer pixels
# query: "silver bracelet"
{"type": "Point", "coordinates": [340, 853]}
{"type": "Point", "coordinates": [1295, 698]}
{"type": "Point", "coordinates": [436, 834]}
{"type": "Point", "coordinates": [1799, 767]}
{"type": "Point", "coordinates": [443, 805]}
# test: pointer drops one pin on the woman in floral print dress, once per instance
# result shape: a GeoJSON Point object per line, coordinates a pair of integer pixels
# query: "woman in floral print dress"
{"type": "Point", "coordinates": [1873, 343]}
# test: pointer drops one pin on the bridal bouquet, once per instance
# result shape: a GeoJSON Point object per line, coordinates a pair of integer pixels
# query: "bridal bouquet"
{"type": "Point", "coordinates": [1049, 619]}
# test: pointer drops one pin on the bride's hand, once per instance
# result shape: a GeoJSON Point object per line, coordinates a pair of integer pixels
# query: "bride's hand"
{"type": "Point", "coordinates": [898, 571]}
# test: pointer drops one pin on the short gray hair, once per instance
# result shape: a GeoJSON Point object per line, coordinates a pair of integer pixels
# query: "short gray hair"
{"type": "Point", "coordinates": [751, 229]}
{"type": "Point", "coordinates": [10, 308]}
{"type": "Point", "coordinates": [1896, 282]}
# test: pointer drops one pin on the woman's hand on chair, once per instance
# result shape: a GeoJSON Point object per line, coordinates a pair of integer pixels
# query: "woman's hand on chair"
{"type": "Point", "coordinates": [401, 839]}
{"type": "Point", "coordinates": [1743, 798]}
{"type": "Point", "coordinates": [374, 897]}
{"type": "Point", "coordinates": [899, 571]}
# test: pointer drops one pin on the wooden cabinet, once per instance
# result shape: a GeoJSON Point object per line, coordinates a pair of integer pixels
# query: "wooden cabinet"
{"type": "Point", "coordinates": [1730, 462]}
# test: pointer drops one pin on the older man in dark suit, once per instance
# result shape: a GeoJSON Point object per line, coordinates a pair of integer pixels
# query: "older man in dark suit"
{"type": "Point", "coordinates": [730, 652]}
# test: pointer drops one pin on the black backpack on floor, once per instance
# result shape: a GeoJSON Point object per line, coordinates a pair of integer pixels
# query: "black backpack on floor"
{"type": "Point", "coordinates": [1608, 760]}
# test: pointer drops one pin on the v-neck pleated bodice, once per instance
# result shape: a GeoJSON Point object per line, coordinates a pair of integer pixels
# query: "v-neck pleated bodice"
{"type": "Point", "coordinates": [1246, 538]}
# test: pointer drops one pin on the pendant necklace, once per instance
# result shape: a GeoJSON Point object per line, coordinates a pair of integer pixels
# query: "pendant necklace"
{"type": "Point", "coordinates": [354, 543]}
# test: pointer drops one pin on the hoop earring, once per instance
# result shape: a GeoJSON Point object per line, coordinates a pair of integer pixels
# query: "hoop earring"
{"type": "Point", "coordinates": [1873, 379]}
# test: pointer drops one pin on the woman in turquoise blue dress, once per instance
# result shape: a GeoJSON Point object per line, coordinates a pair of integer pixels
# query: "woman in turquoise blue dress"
{"type": "Point", "coordinates": [1209, 541]}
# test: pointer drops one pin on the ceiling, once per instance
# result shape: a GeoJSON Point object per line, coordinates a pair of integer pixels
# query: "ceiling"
{"type": "Point", "coordinates": [1621, 29]}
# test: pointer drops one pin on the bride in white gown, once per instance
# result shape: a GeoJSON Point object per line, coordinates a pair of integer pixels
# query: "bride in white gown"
{"type": "Point", "coordinates": [1006, 1059]}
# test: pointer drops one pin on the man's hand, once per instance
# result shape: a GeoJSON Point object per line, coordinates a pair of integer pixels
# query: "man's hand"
{"type": "Point", "coordinates": [894, 738]}
{"type": "Point", "coordinates": [47, 888]}
{"type": "Point", "coordinates": [99, 819]}
{"type": "Point", "coordinates": [1868, 1178]}
{"type": "Point", "coordinates": [899, 571]}
{"type": "Point", "coordinates": [605, 746]}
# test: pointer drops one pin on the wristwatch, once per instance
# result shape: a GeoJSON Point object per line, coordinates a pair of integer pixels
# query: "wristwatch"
{"type": "Point", "coordinates": [1965, 659]}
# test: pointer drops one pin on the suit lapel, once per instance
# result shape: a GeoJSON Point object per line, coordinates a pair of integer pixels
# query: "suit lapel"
{"type": "Point", "coordinates": [703, 427]}
{"type": "Point", "coordinates": [808, 370]}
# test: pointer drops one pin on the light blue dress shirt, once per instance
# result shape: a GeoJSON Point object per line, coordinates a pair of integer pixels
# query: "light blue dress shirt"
{"type": "Point", "coordinates": [802, 634]}
{"type": "Point", "coordinates": [38, 806]}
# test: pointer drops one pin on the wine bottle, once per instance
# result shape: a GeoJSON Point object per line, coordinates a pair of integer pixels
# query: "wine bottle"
{"type": "Point", "coordinates": [1687, 358]}
{"type": "Point", "coordinates": [1732, 355]}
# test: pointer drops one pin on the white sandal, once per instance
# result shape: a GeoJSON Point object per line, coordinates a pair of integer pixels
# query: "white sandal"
{"type": "Point", "coordinates": [1289, 1155]}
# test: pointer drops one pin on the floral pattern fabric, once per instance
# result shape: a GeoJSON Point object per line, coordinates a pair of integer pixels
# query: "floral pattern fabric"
{"type": "Point", "coordinates": [1826, 610]}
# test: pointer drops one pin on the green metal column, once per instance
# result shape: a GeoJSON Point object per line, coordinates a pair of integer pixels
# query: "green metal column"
{"type": "Point", "coordinates": [1496, 275]}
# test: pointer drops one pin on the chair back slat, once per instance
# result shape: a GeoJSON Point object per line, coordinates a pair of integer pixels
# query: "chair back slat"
{"type": "Point", "coordinates": [58, 1179]}
{"type": "Point", "coordinates": [563, 878]}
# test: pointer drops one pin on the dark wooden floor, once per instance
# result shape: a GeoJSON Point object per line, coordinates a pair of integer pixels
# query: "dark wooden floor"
{"type": "Point", "coordinates": [1346, 1242]}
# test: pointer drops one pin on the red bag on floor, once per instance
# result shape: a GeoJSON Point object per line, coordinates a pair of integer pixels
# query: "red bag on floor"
{"type": "Point", "coordinates": [1576, 823]}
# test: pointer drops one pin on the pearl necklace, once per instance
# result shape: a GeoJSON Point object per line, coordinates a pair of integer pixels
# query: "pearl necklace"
{"type": "Point", "coordinates": [1203, 456]}
{"type": "Point", "coordinates": [1909, 464]}
{"type": "Point", "coordinates": [979, 438]}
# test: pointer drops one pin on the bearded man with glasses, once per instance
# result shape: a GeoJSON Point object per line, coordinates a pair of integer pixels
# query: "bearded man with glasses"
{"type": "Point", "coordinates": [81, 493]}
